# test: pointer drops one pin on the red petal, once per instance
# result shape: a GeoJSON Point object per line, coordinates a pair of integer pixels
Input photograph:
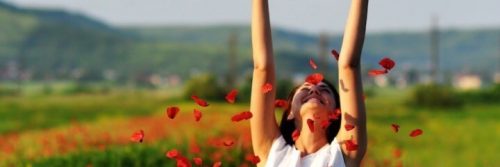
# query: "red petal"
{"type": "Point", "coordinates": [313, 65]}
{"type": "Point", "coordinates": [335, 114]}
{"type": "Point", "coordinates": [416, 132]}
{"type": "Point", "coordinates": [197, 115]}
{"type": "Point", "coordinates": [172, 154]}
{"type": "Point", "coordinates": [252, 159]}
{"type": "Point", "coordinates": [335, 54]}
{"type": "Point", "coordinates": [137, 136]}
{"type": "Point", "coordinates": [172, 112]}
{"type": "Point", "coordinates": [377, 72]}
{"type": "Point", "coordinates": [310, 124]}
{"type": "Point", "coordinates": [198, 161]}
{"type": "Point", "coordinates": [387, 63]}
{"type": "Point", "coordinates": [395, 128]}
{"type": "Point", "coordinates": [217, 164]}
{"type": "Point", "coordinates": [325, 124]}
{"type": "Point", "coordinates": [199, 101]}
{"type": "Point", "coordinates": [295, 134]}
{"type": "Point", "coordinates": [350, 145]}
{"type": "Point", "coordinates": [348, 127]}
{"type": "Point", "coordinates": [231, 96]}
{"type": "Point", "coordinates": [314, 78]}
{"type": "Point", "coordinates": [280, 103]}
{"type": "Point", "coordinates": [267, 88]}
{"type": "Point", "coordinates": [242, 116]}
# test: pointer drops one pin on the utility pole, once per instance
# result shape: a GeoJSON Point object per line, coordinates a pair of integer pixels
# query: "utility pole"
{"type": "Point", "coordinates": [323, 50]}
{"type": "Point", "coordinates": [434, 65]}
{"type": "Point", "coordinates": [233, 52]}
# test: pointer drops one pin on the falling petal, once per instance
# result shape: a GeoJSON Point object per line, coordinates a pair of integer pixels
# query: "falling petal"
{"type": "Point", "coordinates": [335, 54]}
{"type": "Point", "coordinates": [172, 112]}
{"type": "Point", "coordinates": [313, 64]}
{"type": "Point", "coordinates": [280, 103]}
{"type": "Point", "coordinates": [314, 78]}
{"type": "Point", "coordinates": [377, 72]}
{"type": "Point", "coordinates": [267, 88]}
{"type": "Point", "coordinates": [395, 128]}
{"type": "Point", "coordinates": [348, 127]}
{"type": "Point", "coordinates": [197, 115]}
{"type": "Point", "coordinates": [416, 132]}
{"type": "Point", "coordinates": [387, 63]}
{"type": "Point", "coordinates": [199, 101]}
{"type": "Point", "coordinates": [350, 145]}
{"type": "Point", "coordinates": [231, 96]}
{"type": "Point", "coordinates": [295, 134]}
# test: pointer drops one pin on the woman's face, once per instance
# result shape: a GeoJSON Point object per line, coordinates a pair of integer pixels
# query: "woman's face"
{"type": "Point", "coordinates": [313, 101]}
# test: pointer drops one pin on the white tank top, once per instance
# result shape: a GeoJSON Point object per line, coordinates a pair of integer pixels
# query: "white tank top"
{"type": "Point", "coordinates": [283, 155]}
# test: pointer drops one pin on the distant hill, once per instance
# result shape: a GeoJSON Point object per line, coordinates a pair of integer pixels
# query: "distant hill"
{"type": "Point", "coordinates": [61, 45]}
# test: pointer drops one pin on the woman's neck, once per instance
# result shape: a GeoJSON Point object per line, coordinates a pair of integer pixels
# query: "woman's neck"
{"type": "Point", "coordinates": [310, 142]}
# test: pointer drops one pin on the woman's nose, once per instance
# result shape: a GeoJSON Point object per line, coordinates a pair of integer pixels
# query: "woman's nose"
{"type": "Point", "coordinates": [314, 90]}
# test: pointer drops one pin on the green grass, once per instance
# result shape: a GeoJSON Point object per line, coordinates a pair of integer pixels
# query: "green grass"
{"type": "Point", "coordinates": [452, 137]}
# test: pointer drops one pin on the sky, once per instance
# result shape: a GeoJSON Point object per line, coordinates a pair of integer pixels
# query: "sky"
{"type": "Point", "coordinates": [310, 16]}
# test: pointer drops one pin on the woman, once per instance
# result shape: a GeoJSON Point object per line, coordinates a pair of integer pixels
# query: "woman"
{"type": "Point", "coordinates": [311, 103]}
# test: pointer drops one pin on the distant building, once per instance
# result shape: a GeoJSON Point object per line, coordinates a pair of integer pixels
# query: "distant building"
{"type": "Point", "coordinates": [467, 81]}
{"type": "Point", "coordinates": [496, 77]}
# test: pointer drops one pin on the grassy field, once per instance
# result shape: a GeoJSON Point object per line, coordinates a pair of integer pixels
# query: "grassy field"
{"type": "Point", "coordinates": [94, 130]}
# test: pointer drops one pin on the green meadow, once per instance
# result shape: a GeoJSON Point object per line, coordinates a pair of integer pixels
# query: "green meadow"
{"type": "Point", "coordinates": [94, 129]}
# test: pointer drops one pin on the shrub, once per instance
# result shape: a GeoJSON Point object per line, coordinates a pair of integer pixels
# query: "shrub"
{"type": "Point", "coordinates": [435, 96]}
{"type": "Point", "coordinates": [204, 86]}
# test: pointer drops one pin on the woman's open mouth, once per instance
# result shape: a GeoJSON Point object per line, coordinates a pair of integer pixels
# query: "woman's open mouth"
{"type": "Point", "coordinates": [313, 98]}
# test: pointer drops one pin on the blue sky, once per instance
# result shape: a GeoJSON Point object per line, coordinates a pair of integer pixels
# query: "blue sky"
{"type": "Point", "coordinates": [311, 16]}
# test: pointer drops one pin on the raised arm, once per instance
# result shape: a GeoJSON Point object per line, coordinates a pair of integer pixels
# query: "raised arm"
{"type": "Point", "coordinates": [351, 89]}
{"type": "Point", "coordinates": [263, 125]}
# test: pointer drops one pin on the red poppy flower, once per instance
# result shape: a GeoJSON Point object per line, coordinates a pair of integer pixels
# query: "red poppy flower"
{"type": "Point", "coordinates": [350, 145]}
{"type": "Point", "coordinates": [313, 65]}
{"type": "Point", "coordinates": [194, 148]}
{"type": "Point", "coordinates": [172, 112]}
{"type": "Point", "coordinates": [198, 161]}
{"type": "Point", "coordinates": [172, 154]}
{"type": "Point", "coordinates": [387, 63]}
{"type": "Point", "coordinates": [137, 136]}
{"type": "Point", "coordinates": [295, 135]}
{"type": "Point", "coordinates": [217, 164]}
{"type": "Point", "coordinates": [252, 159]}
{"type": "Point", "coordinates": [280, 103]}
{"type": "Point", "coordinates": [197, 115]}
{"type": "Point", "coordinates": [335, 54]}
{"type": "Point", "coordinates": [310, 124]}
{"type": "Point", "coordinates": [199, 101]}
{"type": "Point", "coordinates": [242, 116]}
{"type": "Point", "coordinates": [416, 132]}
{"type": "Point", "coordinates": [348, 127]}
{"type": "Point", "coordinates": [266, 88]}
{"type": "Point", "coordinates": [183, 162]}
{"type": "Point", "coordinates": [377, 72]}
{"type": "Point", "coordinates": [228, 143]}
{"type": "Point", "coordinates": [314, 78]}
{"type": "Point", "coordinates": [395, 128]}
{"type": "Point", "coordinates": [231, 96]}
{"type": "Point", "coordinates": [397, 153]}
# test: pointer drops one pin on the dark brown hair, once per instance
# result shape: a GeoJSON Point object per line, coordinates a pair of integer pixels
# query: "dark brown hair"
{"type": "Point", "coordinates": [288, 126]}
